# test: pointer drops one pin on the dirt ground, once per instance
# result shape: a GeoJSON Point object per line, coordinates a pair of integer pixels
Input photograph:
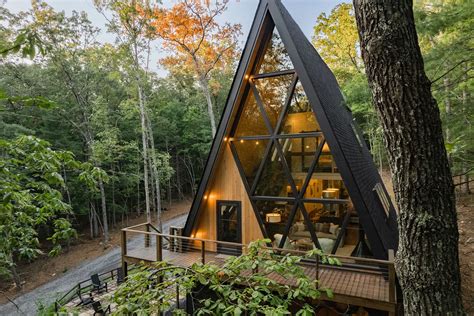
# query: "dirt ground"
{"type": "Point", "coordinates": [46, 268]}
{"type": "Point", "coordinates": [466, 249]}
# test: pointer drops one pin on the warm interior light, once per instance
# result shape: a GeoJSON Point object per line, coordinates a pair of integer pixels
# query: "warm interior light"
{"type": "Point", "coordinates": [307, 146]}
{"type": "Point", "coordinates": [273, 218]}
{"type": "Point", "coordinates": [325, 148]}
{"type": "Point", "coordinates": [225, 139]}
{"type": "Point", "coordinates": [246, 76]}
{"type": "Point", "coordinates": [205, 197]}
{"type": "Point", "coordinates": [241, 140]}
{"type": "Point", "coordinates": [256, 143]}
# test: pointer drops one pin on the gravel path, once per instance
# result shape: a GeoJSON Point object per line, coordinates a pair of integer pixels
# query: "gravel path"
{"type": "Point", "coordinates": [27, 303]}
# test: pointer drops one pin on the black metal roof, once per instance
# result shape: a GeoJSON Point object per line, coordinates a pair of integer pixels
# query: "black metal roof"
{"type": "Point", "coordinates": [348, 148]}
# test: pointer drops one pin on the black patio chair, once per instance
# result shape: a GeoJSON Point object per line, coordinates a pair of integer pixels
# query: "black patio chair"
{"type": "Point", "coordinates": [120, 276]}
{"type": "Point", "coordinates": [99, 310]}
{"type": "Point", "coordinates": [97, 284]}
{"type": "Point", "coordinates": [84, 300]}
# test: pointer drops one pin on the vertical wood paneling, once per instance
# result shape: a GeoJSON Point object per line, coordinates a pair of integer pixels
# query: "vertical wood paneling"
{"type": "Point", "coordinates": [226, 185]}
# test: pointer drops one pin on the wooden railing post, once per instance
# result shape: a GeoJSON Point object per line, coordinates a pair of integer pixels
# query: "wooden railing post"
{"type": "Point", "coordinates": [124, 252]}
{"type": "Point", "coordinates": [391, 277]}
{"type": "Point", "coordinates": [203, 251]}
{"type": "Point", "coordinates": [159, 248]}
{"type": "Point", "coordinates": [147, 236]}
{"type": "Point", "coordinates": [317, 271]}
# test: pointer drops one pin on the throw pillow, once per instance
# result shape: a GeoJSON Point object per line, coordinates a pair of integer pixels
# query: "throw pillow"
{"type": "Point", "coordinates": [333, 228]}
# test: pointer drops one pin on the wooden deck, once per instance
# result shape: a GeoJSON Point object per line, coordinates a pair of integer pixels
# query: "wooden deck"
{"type": "Point", "coordinates": [351, 285]}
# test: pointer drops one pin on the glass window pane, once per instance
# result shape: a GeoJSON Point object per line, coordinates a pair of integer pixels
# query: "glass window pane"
{"type": "Point", "coordinates": [275, 215]}
{"type": "Point", "coordinates": [327, 224]}
{"type": "Point", "coordinates": [299, 117]}
{"type": "Point", "coordinates": [250, 154]}
{"type": "Point", "coordinates": [299, 154]}
{"type": "Point", "coordinates": [299, 235]}
{"type": "Point", "coordinates": [326, 181]}
{"type": "Point", "coordinates": [273, 180]}
{"type": "Point", "coordinates": [276, 57]}
{"type": "Point", "coordinates": [251, 122]}
{"type": "Point", "coordinates": [273, 93]}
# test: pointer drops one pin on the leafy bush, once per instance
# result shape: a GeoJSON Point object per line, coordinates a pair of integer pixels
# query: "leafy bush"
{"type": "Point", "coordinates": [243, 285]}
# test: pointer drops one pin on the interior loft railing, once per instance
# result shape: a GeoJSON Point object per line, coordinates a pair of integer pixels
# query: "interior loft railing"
{"type": "Point", "coordinates": [205, 250]}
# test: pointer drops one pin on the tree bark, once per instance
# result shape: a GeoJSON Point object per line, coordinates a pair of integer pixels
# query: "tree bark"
{"type": "Point", "coordinates": [104, 212]}
{"type": "Point", "coordinates": [156, 176]}
{"type": "Point", "coordinates": [204, 83]}
{"type": "Point", "coordinates": [145, 150]}
{"type": "Point", "coordinates": [427, 261]}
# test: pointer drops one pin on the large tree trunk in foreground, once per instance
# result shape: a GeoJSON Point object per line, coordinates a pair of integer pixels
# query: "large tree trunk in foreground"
{"type": "Point", "coordinates": [427, 260]}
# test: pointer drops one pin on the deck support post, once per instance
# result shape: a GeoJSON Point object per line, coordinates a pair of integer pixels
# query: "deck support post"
{"type": "Point", "coordinates": [124, 252]}
{"type": "Point", "coordinates": [203, 251]}
{"type": "Point", "coordinates": [177, 296]}
{"type": "Point", "coordinates": [159, 248]}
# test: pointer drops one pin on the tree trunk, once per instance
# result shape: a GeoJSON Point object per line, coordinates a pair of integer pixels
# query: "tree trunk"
{"type": "Point", "coordinates": [15, 275]}
{"type": "Point", "coordinates": [203, 82]}
{"type": "Point", "coordinates": [427, 261]}
{"type": "Point", "coordinates": [447, 105]}
{"type": "Point", "coordinates": [104, 212]}
{"type": "Point", "coordinates": [156, 176]}
{"type": "Point", "coordinates": [145, 150]}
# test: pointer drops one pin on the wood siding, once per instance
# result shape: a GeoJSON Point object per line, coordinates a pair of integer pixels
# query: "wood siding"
{"type": "Point", "coordinates": [226, 185]}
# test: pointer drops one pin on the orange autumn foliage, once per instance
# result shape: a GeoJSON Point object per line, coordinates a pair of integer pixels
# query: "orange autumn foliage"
{"type": "Point", "coordinates": [198, 43]}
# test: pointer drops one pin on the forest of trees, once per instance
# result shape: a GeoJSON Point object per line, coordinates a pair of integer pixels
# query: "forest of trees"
{"type": "Point", "coordinates": [111, 138]}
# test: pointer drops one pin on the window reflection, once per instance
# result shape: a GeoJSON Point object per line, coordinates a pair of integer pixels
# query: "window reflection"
{"type": "Point", "coordinates": [251, 120]}
{"type": "Point", "coordinates": [250, 154]}
{"type": "Point", "coordinates": [273, 92]}
{"type": "Point", "coordinates": [276, 57]}
{"type": "Point", "coordinates": [299, 117]}
{"type": "Point", "coordinates": [273, 180]}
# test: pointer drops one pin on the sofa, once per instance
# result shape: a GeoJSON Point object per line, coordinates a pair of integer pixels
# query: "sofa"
{"type": "Point", "coordinates": [326, 232]}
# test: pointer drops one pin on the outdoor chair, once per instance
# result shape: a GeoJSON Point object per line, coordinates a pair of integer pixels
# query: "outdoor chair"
{"type": "Point", "coordinates": [99, 310]}
{"type": "Point", "coordinates": [120, 276]}
{"type": "Point", "coordinates": [97, 284]}
{"type": "Point", "coordinates": [84, 300]}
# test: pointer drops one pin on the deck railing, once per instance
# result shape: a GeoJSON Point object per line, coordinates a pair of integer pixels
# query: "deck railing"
{"type": "Point", "coordinates": [205, 248]}
{"type": "Point", "coordinates": [83, 287]}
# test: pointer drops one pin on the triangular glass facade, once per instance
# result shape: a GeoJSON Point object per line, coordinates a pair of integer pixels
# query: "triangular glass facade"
{"type": "Point", "coordinates": [292, 178]}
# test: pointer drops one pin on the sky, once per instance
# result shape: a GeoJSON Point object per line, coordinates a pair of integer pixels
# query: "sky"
{"type": "Point", "coordinates": [304, 12]}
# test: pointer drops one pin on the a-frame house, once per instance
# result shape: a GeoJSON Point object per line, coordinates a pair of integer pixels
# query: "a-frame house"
{"type": "Point", "coordinates": [287, 162]}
